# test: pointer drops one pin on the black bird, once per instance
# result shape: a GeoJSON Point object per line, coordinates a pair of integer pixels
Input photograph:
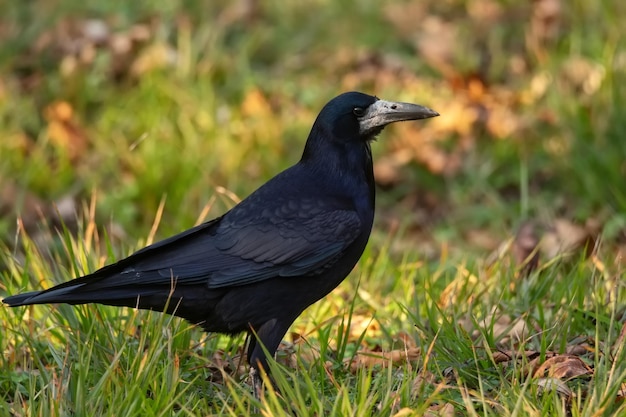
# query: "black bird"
{"type": "Point", "coordinates": [287, 245]}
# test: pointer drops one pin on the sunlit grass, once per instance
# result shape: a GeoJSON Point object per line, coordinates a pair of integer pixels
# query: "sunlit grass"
{"type": "Point", "coordinates": [184, 141]}
{"type": "Point", "coordinates": [97, 360]}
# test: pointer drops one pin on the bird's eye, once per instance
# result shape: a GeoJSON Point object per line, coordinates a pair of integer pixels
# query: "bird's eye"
{"type": "Point", "coordinates": [358, 111]}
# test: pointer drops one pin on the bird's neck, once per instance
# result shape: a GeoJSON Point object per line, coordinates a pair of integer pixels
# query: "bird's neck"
{"type": "Point", "coordinates": [345, 167]}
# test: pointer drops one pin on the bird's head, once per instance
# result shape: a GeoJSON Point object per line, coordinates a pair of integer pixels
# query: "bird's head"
{"type": "Point", "coordinates": [360, 116]}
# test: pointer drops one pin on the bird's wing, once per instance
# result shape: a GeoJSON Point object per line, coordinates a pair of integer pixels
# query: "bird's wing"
{"type": "Point", "coordinates": [291, 248]}
{"type": "Point", "coordinates": [294, 238]}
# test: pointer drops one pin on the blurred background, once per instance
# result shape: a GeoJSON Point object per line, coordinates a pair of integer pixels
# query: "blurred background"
{"type": "Point", "coordinates": [122, 107]}
{"type": "Point", "coordinates": [500, 228]}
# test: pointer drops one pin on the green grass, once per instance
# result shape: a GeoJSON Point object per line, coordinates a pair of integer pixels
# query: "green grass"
{"type": "Point", "coordinates": [166, 145]}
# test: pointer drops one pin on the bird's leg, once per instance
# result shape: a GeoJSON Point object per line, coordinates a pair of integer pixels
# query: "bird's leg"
{"type": "Point", "coordinates": [253, 374]}
{"type": "Point", "coordinates": [264, 341]}
{"type": "Point", "coordinates": [256, 382]}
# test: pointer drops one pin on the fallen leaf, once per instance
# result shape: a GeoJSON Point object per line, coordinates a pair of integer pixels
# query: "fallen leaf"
{"type": "Point", "coordinates": [485, 12]}
{"type": "Point", "coordinates": [504, 328]}
{"type": "Point", "coordinates": [368, 359]}
{"type": "Point", "coordinates": [503, 356]}
{"type": "Point", "coordinates": [255, 104]}
{"type": "Point", "coordinates": [422, 381]}
{"type": "Point", "coordinates": [621, 392]}
{"type": "Point", "coordinates": [221, 365]}
{"type": "Point", "coordinates": [64, 130]}
{"type": "Point", "coordinates": [156, 56]}
{"type": "Point", "coordinates": [403, 16]}
{"type": "Point", "coordinates": [545, 26]}
{"type": "Point", "coordinates": [438, 44]}
{"type": "Point", "coordinates": [440, 410]}
{"type": "Point", "coordinates": [403, 412]}
{"type": "Point", "coordinates": [566, 238]}
{"type": "Point", "coordinates": [620, 341]}
{"type": "Point", "coordinates": [563, 367]}
{"type": "Point", "coordinates": [549, 384]}
{"type": "Point", "coordinates": [525, 248]}
{"type": "Point", "coordinates": [583, 74]}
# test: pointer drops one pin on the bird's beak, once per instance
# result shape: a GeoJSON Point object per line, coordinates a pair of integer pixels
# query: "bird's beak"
{"type": "Point", "coordinates": [381, 113]}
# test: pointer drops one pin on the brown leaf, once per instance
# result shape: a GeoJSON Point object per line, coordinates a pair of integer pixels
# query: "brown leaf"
{"type": "Point", "coordinates": [368, 359]}
{"type": "Point", "coordinates": [362, 324]}
{"type": "Point", "coordinates": [387, 169]}
{"type": "Point", "coordinates": [240, 11]}
{"type": "Point", "coordinates": [64, 131]}
{"type": "Point", "coordinates": [485, 11]}
{"type": "Point", "coordinates": [16, 200]}
{"type": "Point", "coordinates": [565, 238]}
{"type": "Point", "coordinates": [525, 249]}
{"type": "Point", "coordinates": [482, 239]}
{"type": "Point", "coordinates": [621, 392]}
{"type": "Point", "coordinates": [579, 349]}
{"type": "Point", "coordinates": [403, 412]}
{"type": "Point", "coordinates": [440, 410]}
{"type": "Point", "coordinates": [403, 16]}
{"type": "Point", "coordinates": [255, 104]}
{"type": "Point", "coordinates": [563, 367]}
{"type": "Point", "coordinates": [583, 74]}
{"type": "Point", "coordinates": [157, 56]}
{"type": "Point", "coordinates": [395, 409]}
{"type": "Point", "coordinates": [504, 328]}
{"type": "Point", "coordinates": [31, 210]}
{"type": "Point", "coordinates": [503, 356]}
{"type": "Point", "coordinates": [286, 353]}
{"type": "Point", "coordinates": [221, 365]}
{"type": "Point", "coordinates": [549, 384]}
{"type": "Point", "coordinates": [561, 239]}
{"type": "Point", "coordinates": [438, 44]}
{"type": "Point", "coordinates": [459, 118]}
{"type": "Point", "coordinates": [619, 342]}
{"type": "Point", "coordinates": [423, 380]}
{"type": "Point", "coordinates": [545, 25]}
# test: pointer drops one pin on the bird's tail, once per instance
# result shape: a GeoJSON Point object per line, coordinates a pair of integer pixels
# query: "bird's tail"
{"type": "Point", "coordinates": [157, 298]}
{"type": "Point", "coordinates": [63, 293]}
{"type": "Point", "coordinates": [20, 299]}
{"type": "Point", "coordinates": [77, 292]}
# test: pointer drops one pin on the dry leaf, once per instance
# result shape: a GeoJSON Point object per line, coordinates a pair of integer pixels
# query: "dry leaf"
{"type": "Point", "coordinates": [438, 44]}
{"type": "Point", "coordinates": [482, 238]}
{"type": "Point", "coordinates": [485, 11]}
{"type": "Point", "coordinates": [221, 365]}
{"type": "Point", "coordinates": [545, 25]}
{"type": "Point", "coordinates": [583, 74]}
{"type": "Point", "coordinates": [403, 412]}
{"type": "Point", "coordinates": [255, 104]}
{"type": "Point", "coordinates": [395, 409]}
{"type": "Point", "coordinates": [565, 238]}
{"type": "Point", "coordinates": [549, 384]}
{"type": "Point", "coordinates": [562, 238]}
{"type": "Point", "coordinates": [525, 249]}
{"type": "Point", "coordinates": [368, 359]}
{"type": "Point", "coordinates": [619, 342]}
{"type": "Point", "coordinates": [421, 381]}
{"type": "Point", "coordinates": [621, 392]}
{"type": "Point", "coordinates": [64, 131]}
{"type": "Point", "coordinates": [563, 367]}
{"type": "Point", "coordinates": [503, 356]}
{"type": "Point", "coordinates": [403, 16]}
{"type": "Point", "coordinates": [504, 328]}
{"type": "Point", "coordinates": [440, 410]}
{"type": "Point", "coordinates": [157, 56]}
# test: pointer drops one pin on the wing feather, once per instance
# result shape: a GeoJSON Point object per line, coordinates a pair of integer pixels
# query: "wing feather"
{"type": "Point", "coordinates": [281, 241]}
